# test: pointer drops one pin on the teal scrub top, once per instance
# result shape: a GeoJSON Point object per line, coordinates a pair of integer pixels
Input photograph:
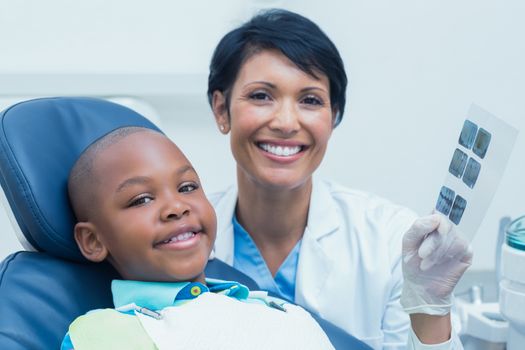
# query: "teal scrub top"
{"type": "Point", "coordinates": [248, 259]}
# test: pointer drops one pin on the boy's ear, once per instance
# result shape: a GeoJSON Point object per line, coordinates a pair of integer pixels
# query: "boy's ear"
{"type": "Point", "coordinates": [89, 242]}
{"type": "Point", "coordinates": [220, 110]}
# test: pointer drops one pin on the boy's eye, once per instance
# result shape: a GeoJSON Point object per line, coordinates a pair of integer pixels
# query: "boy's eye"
{"type": "Point", "coordinates": [140, 201]}
{"type": "Point", "coordinates": [188, 187]}
{"type": "Point", "coordinates": [312, 100]}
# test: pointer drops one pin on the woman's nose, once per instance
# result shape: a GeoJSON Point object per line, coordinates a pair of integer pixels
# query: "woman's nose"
{"type": "Point", "coordinates": [286, 119]}
{"type": "Point", "coordinates": [174, 209]}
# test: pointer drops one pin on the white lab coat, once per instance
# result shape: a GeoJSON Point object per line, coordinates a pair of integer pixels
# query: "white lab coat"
{"type": "Point", "coordinates": [349, 269]}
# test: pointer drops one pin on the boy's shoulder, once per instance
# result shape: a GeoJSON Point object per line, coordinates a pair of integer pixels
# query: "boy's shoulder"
{"type": "Point", "coordinates": [109, 329]}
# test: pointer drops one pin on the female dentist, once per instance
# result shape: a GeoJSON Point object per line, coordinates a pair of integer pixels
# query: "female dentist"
{"type": "Point", "coordinates": [277, 86]}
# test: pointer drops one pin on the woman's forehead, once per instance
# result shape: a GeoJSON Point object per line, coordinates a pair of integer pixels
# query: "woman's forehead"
{"type": "Point", "coordinates": [272, 65]}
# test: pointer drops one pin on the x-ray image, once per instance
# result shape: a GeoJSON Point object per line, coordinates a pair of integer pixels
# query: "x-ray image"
{"type": "Point", "coordinates": [468, 134]}
{"type": "Point", "coordinates": [444, 202]}
{"type": "Point", "coordinates": [457, 209]}
{"type": "Point", "coordinates": [479, 157]}
{"type": "Point", "coordinates": [482, 143]}
{"type": "Point", "coordinates": [458, 163]}
{"type": "Point", "coordinates": [471, 172]}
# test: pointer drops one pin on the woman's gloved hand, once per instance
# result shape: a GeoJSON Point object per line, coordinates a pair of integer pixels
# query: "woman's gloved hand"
{"type": "Point", "coordinates": [434, 259]}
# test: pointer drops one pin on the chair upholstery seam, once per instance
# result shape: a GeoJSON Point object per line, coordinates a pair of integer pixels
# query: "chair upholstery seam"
{"type": "Point", "coordinates": [5, 265]}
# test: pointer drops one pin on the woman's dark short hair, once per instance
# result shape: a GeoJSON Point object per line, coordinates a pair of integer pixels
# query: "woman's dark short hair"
{"type": "Point", "coordinates": [298, 38]}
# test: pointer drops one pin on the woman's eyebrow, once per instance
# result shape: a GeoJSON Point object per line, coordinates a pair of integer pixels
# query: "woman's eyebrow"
{"type": "Point", "coordinates": [270, 85]}
{"type": "Point", "coordinates": [310, 88]}
{"type": "Point", "coordinates": [273, 86]}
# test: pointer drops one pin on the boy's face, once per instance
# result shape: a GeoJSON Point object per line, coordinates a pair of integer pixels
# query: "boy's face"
{"type": "Point", "coordinates": [152, 216]}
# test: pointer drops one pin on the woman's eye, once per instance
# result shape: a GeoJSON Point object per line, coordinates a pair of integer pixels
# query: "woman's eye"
{"type": "Point", "coordinates": [188, 188]}
{"type": "Point", "coordinates": [260, 96]}
{"type": "Point", "coordinates": [140, 201]}
{"type": "Point", "coordinates": [312, 100]}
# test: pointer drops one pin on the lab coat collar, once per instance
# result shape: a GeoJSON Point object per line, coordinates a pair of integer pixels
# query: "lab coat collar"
{"type": "Point", "coordinates": [322, 215]}
{"type": "Point", "coordinates": [225, 211]}
{"type": "Point", "coordinates": [315, 264]}
{"type": "Point", "coordinates": [322, 218]}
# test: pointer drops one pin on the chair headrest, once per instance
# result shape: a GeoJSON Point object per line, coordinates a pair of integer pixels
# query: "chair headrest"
{"type": "Point", "coordinates": [40, 140]}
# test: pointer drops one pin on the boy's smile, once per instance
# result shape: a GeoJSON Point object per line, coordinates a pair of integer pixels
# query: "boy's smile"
{"type": "Point", "coordinates": [151, 216]}
{"type": "Point", "coordinates": [183, 238]}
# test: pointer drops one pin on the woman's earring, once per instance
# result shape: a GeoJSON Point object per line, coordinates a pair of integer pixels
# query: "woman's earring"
{"type": "Point", "coordinates": [221, 127]}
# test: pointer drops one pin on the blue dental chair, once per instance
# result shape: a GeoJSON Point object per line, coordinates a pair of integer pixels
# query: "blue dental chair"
{"type": "Point", "coordinates": [42, 292]}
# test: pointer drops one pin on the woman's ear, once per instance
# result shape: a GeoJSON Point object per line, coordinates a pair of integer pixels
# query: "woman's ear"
{"type": "Point", "coordinates": [89, 242]}
{"type": "Point", "coordinates": [335, 116]}
{"type": "Point", "coordinates": [220, 111]}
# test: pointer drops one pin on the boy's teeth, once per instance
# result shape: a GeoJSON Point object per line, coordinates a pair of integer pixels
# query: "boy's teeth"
{"type": "Point", "coordinates": [181, 237]}
{"type": "Point", "coordinates": [280, 150]}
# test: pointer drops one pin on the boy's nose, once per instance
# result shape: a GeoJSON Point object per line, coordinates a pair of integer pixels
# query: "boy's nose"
{"type": "Point", "coordinates": [174, 210]}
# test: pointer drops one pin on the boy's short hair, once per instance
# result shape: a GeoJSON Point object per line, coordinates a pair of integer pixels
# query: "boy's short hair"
{"type": "Point", "coordinates": [295, 36]}
{"type": "Point", "coordinates": [81, 180]}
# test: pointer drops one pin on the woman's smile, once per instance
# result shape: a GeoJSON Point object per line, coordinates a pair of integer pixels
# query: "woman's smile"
{"type": "Point", "coordinates": [282, 152]}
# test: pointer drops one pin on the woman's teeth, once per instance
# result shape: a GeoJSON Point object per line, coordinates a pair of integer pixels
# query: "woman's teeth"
{"type": "Point", "coordinates": [280, 150]}
{"type": "Point", "coordinates": [179, 238]}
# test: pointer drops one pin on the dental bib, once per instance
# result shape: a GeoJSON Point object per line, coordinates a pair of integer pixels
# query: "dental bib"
{"type": "Point", "coordinates": [214, 321]}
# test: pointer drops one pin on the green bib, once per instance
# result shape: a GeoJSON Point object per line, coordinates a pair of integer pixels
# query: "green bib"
{"type": "Point", "coordinates": [109, 329]}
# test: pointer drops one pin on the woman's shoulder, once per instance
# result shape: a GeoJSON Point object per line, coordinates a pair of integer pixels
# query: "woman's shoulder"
{"type": "Point", "coordinates": [364, 199]}
{"type": "Point", "coordinates": [338, 190]}
{"type": "Point", "coordinates": [362, 205]}
{"type": "Point", "coordinates": [371, 219]}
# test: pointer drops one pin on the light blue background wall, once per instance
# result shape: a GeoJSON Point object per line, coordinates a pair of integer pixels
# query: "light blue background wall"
{"type": "Point", "coordinates": [414, 69]}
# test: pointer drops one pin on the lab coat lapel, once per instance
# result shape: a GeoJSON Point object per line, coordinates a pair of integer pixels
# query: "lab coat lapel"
{"type": "Point", "coordinates": [315, 265]}
{"type": "Point", "coordinates": [225, 211]}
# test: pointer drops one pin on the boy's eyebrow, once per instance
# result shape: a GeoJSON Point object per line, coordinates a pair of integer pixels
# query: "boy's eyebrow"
{"type": "Point", "coordinates": [184, 169]}
{"type": "Point", "coordinates": [139, 180]}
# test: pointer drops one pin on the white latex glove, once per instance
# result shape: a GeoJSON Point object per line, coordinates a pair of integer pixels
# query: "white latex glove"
{"type": "Point", "coordinates": [434, 259]}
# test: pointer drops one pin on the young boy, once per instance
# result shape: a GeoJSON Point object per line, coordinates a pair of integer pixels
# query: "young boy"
{"type": "Point", "coordinates": [140, 205]}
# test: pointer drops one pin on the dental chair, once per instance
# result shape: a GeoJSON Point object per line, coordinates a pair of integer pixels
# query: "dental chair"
{"type": "Point", "coordinates": [43, 291]}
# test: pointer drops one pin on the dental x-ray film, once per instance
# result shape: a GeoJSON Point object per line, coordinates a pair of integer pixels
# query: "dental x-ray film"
{"type": "Point", "coordinates": [478, 161]}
